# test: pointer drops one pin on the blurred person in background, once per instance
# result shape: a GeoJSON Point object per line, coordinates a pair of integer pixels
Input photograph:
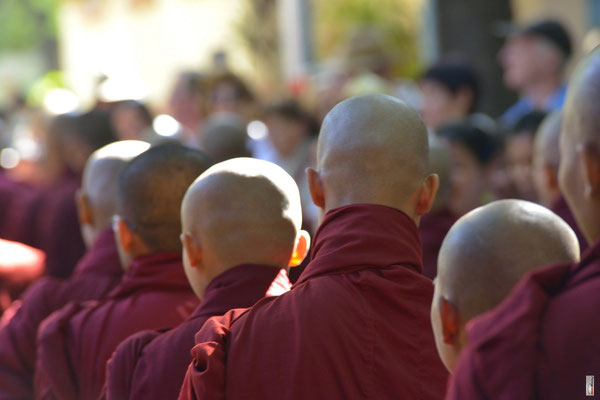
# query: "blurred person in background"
{"type": "Point", "coordinates": [131, 120]}
{"type": "Point", "coordinates": [546, 160]}
{"type": "Point", "coordinates": [518, 152]}
{"type": "Point", "coordinates": [450, 93]}
{"type": "Point", "coordinates": [534, 59]}
{"type": "Point", "coordinates": [189, 104]}
{"type": "Point", "coordinates": [47, 218]}
{"type": "Point", "coordinates": [224, 137]}
{"type": "Point", "coordinates": [472, 151]}
{"type": "Point", "coordinates": [229, 93]}
{"type": "Point", "coordinates": [292, 132]}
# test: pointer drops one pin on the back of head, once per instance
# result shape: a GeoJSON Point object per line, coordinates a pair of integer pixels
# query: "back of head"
{"type": "Point", "coordinates": [547, 141]}
{"type": "Point", "coordinates": [482, 144]}
{"type": "Point", "coordinates": [580, 146]}
{"type": "Point", "coordinates": [101, 175]}
{"type": "Point", "coordinates": [455, 75]}
{"type": "Point", "coordinates": [244, 211]}
{"type": "Point", "coordinates": [151, 189]}
{"type": "Point", "coordinates": [372, 149]}
{"type": "Point", "coordinates": [224, 137]}
{"type": "Point", "coordinates": [489, 249]}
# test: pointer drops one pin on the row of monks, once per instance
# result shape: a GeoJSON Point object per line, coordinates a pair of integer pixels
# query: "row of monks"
{"type": "Point", "coordinates": [183, 291]}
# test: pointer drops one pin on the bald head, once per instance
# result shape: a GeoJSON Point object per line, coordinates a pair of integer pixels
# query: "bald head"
{"type": "Point", "coordinates": [579, 177]}
{"type": "Point", "coordinates": [547, 147]}
{"type": "Point", "coordinates": [489, 249]}
{"type": "Point", "coordinates": [224, 137]}
{"type": "Point", "coordinates": [101, 175]}
{"type": "Point", "coordinates": [244, 211]}
{"type": "Point", "coordinates": [372, 149]}
{"type": "Point", "coordinates": [151, 189]}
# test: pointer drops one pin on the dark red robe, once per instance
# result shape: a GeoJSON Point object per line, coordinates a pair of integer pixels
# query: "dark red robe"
{"type": "Point", "coordinates": [150, 365]}
{"type": "Point", "coordinates": [47, 219]}
{"type": "Point", "coordinates": [433, 228]}
{"type": "Point", "coordinates": [75, 343]}
{"type": "Point", "coordinates": [98, 272]}
{"type": "Point", "coordinates": [561, 208]}
{"type": "Point", "coordinates": [541, 342]}
{"type": "Point", "coordinates": [11, 193]}
{"type": "Point", "coordinates": [356, 325]}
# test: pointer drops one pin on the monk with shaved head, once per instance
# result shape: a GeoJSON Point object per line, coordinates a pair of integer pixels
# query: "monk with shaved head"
{"type": "Point", "coordinates": [542, 341]}
{"type": "Point", "coordinates": [96, 274]}
{"type": "Point", "coordinates": [476, 272]}
{"type": "Point", "coordinates": [356, 323]}
{"type": "Point", "coordinates": [75, 343]}
{"type": "Point", "coordinates": [241, 230]}
{"type": "Point", "coordinates": [546, 160]}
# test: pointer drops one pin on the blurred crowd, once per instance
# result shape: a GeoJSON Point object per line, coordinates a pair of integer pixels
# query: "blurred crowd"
{"type": "Point", "coordinates": [479, 158]}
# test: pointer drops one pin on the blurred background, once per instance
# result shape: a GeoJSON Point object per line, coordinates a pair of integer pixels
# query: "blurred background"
{"type": "Point", "coordinates": [261, 75]}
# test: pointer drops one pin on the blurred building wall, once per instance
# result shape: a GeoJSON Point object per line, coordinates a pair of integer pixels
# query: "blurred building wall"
{"type": "Point", "coordinates": [147, 41]}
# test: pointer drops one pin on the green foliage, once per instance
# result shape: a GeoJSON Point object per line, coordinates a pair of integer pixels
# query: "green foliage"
{"type": "Point", "coordinates": [26, 24]}
{"type": "Point", "coordinates": [336, 21]}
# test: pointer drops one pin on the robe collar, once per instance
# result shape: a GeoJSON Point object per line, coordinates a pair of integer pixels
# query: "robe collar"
{"type": "Point", "coordinates": [242, 286]}
{"type": "Point", "coordinates": [102, 258]}
{"type": "Point", "coordinates": [361, 236]}
{"type": "Point", "coordinates": [158, 271]}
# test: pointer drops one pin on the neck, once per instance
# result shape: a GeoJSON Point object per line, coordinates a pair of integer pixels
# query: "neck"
{"type": "Point", "coordinates": [541, 89]}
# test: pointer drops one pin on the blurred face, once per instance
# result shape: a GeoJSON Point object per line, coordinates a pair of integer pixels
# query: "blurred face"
{"type": "Point", "coordinates": [523, 58]}
{"type": "Point", "coordinates": [438, 107]}
{"type": "Point", "coordinates": [286, 135]}
{"type": "Point", "coordinates": [539, 172]}
{"type": "Point", "coordinates": [468, 181]}
{"type": "Point", "coordinates": [519, 153]}
{"type": "Point", "coordinates": [129, 123]}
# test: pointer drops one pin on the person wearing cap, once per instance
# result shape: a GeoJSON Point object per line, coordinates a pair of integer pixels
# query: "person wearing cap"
{"type": "Point", "coordinates": [534, 59]}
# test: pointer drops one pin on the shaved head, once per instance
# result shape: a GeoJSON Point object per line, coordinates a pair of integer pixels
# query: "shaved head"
{"type": "Point", "coordinates": [245, 211]}
{"type": "Point", "coordinates": [101, 175]}
{"type": "Point", "coordinates": [579, 172]}
{"type": "Point", "coordinates": [372, 149]}
{"type": "Point", "coordinates": [489, 249]}
{"type": "Point", "coordinates": [482, 258]}
{"type": "Point", "coordinates": [546, 147]}
{"type": "Point", "coordinates": [225, 137]}
{"type": "Point", "coordinates": [151, 189]}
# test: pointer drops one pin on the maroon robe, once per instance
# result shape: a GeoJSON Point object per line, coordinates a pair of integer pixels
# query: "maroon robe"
{"type": "Point", "coordinates": [541, 342]}
{"type": "Point", "coordinates": [150, 365]}
{"type": "Point", "coordinates": [356, 325]}
{"type": "Point", "coordinates": [433, 228]}
{"type": "Point", "coordinates": [11, 193]}
{"type": "Point", "coordinates": [98, 272]}
{"type": "Point", "coordinates": [75, 343]}
{"type": "Point", "coordinates": [561, 208]}
{"type": "Point", "coordinates": [47, 219]}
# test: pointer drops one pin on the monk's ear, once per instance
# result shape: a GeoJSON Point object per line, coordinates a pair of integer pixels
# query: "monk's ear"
{"type": "Point", "coordinates": [315, 185]}
{"type": "Point", "coordinates": [300, 249]}
{"type": "Point", "coordinates": [84, 210]}
{"type": "Point", "coordinates": [550, 177]}
{"type": "Point", "coordinates": [124, 234]}
{"type": "Point", "coordinates": [591, 170]}
{"type": "Point", "coordinates": [427, 194]}
{"type": "Point", "coordinates": [450, 321]}
{"type": "Point", "coordinates": [192, 249]}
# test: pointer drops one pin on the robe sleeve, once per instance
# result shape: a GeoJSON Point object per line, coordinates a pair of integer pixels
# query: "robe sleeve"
{"type": "Point", "coordinates": [205, 377]}
{"type": "Point", "coordinates": [55, 377]}
{"type": "Point", "coordinates": [120, 368]}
